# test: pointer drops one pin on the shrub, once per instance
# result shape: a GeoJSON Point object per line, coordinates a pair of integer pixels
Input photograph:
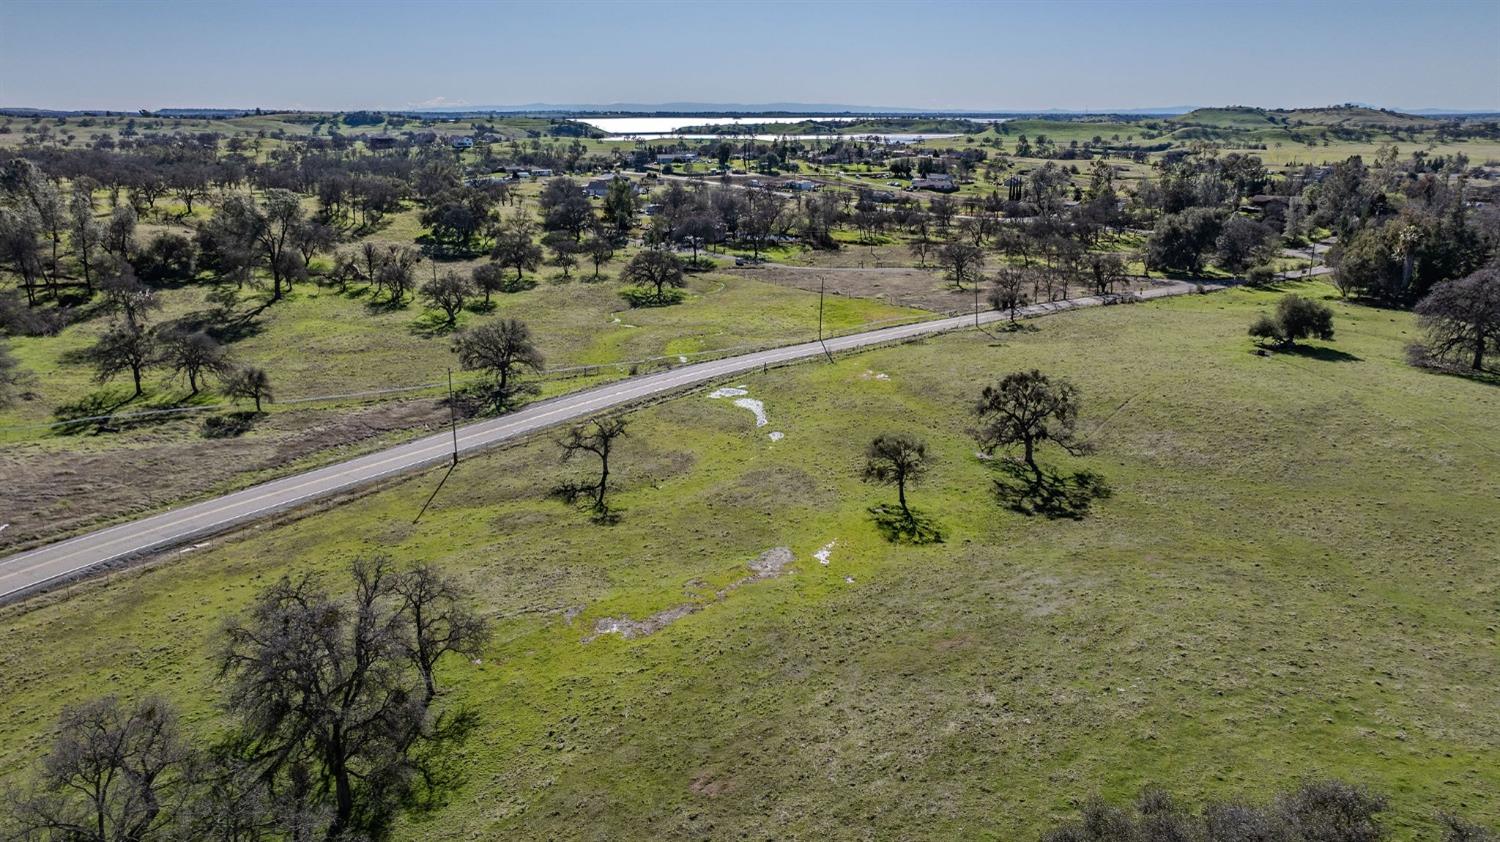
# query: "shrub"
{"type": "Point", "coordinates": [639, 296]}
{"type": "Point", "coordinates": [1296, 318]}
{"type": "Point", "coordinates": [1325, 811]}
{"type": "Point", "coordinates": [1260, 275]}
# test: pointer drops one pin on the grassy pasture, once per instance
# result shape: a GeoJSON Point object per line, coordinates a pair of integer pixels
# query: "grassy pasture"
{"type": "Point", "coordinates": [1295, 575]}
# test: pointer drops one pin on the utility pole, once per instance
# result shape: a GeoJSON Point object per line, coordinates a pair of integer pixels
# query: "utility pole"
{"type": "Point", "coordinates": [453, 425]}
{"type": "Point", "coordinates": [821, 282]}
{"type": "Point", "coordinates": [452, 415]}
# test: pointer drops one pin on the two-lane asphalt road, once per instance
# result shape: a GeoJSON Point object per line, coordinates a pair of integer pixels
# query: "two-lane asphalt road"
{"type": "Point", "coordinates": [30, 571]}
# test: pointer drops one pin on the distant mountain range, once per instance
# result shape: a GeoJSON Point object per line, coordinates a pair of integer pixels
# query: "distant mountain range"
{"type": "Point", "coordinates": [832, 108]}
{"type": "Point", "coordinates": [730, 108]}
{"type": "Point", "coordinates": [758, 108]}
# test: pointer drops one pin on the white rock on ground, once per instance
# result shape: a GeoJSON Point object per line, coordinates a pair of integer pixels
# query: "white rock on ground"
{"type": "Point", "coordinates": [822, 554]}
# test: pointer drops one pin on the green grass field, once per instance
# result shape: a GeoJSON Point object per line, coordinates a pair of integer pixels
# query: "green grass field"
{"type": "Point", "coordinates": [323, 342]}
{"type": "Point", "coordinates": [1295, 576]}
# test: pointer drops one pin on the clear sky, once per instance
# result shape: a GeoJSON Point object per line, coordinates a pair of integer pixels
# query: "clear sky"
{"type": "Point", "coordinates": [977, 55]}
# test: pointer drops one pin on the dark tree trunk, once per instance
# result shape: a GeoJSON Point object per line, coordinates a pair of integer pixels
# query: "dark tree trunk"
{"type": "Point", "coordinates": [603, 481]}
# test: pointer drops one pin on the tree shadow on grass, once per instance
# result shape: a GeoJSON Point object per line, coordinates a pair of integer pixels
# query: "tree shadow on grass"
{"type": "Point", "coordinates": [581, 494]}
{"type": "Point", "coordinates": [1486, 377]}
{"type": "Point", "coordinates": [95, 413]}
{"type": "Point", "coordinates": [432, 324]}
{"type": "Point", "coordinates": [1321, 352]}
{"type": "Point", "coordinates": [1054, 496]}
{"type": "Point", "coordinates": [1013, 327]}
{"type": "Point", "coordinates": [899, 528]}
{"type": "Point", "coordinates": [229, 425]}
{"type": "Point", "coordinates": [376, 305]}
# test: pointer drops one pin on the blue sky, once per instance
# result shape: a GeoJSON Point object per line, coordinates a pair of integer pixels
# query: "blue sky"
{"type": "Point", "coordinates": [979, 55]}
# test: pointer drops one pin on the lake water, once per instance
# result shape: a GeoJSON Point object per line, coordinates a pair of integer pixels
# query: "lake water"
{"type": "Point", "coordinates": [667, 125]}
{"type": "Point", "coordinates": [911, 137]}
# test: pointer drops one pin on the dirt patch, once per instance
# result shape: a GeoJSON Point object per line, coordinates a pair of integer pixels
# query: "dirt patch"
{"type": "Point", "coordinates": [67, 484]}
{"type": "Point", "coordinates": [710, 785]}
{"type": "Point", "coordinates": [767, 565]}
{"type": "Point", "coordinates": [770, 489]}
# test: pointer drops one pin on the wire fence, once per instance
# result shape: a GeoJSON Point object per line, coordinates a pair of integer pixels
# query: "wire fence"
{"type": "Point", "coordinates": [574, 372]}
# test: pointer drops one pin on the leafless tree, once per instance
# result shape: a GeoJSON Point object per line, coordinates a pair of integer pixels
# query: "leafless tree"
{"type": "Point", "coordinates": [194, 355]}
{"type": "Point", "coordinates": [597, 437]}
{"type": "Point", "coordinates": [1462, 317]}
{"type": "Point", "coordinates": [962, 261]}
{"type": "Point", "coordinates": [335, 695]}
{"type": "Point", "coordinates": [1009, 291]}
{"type": "Point", "coordinates": [448, 292]}
{"type": "Point", "coordinates": [249, 382]}
{"type": "Point", "coordinates": [114, 773]}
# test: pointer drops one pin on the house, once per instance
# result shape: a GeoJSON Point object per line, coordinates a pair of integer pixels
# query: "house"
{"type": "Point", "coordinates": [800, 185]}
{"type": "Point", "coordinates": [462, 142]}
{"type": "Point", "coordinates": [542, 173]}
{"type": "Point", "coordinates": [599, 187]}
{"type": "Point", "coordinates": [1268, 205]}
{"type": "Point", "coordinates": [676, 157]}
{"type": "Point", "coordinates": [938, 181]}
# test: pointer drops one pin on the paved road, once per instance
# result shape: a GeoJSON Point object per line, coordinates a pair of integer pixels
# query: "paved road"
{"type": "Point", "coordinates": [33, 570]}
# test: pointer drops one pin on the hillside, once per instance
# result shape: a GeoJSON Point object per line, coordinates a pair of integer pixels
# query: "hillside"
{"type": "Point", "coordinates": [1294, 576]}
{"type": "Point", "coordinates": [1348, 116]}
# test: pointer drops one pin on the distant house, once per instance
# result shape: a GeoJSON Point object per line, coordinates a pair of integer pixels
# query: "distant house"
{"type": "Point", "coordinates": [381, 141]}
{"type": "Point", "coordinates": [799, 185]}
{"type": "Point", "coordinates": [542, 173]}
{"type": "Point", "coordinates": [938, 181]}
{"type": "Point", "coordinates": [599, 187]}
{"type": "Point", "coordinates": [1269, 205]}
{"type": "Point", "coordinates": [676, 157]}
{"type": "Point", "coordinates": [462, 142]}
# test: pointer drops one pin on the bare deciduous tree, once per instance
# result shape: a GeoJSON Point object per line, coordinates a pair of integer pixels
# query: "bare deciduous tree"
{"type": "Point", "coordinates": [194, 355]}
{"type": "Point", "coordinates": [250, 383]}
{"type": "Point", "coordinates": [962, 261]}
{"type": "Point", "coordinates": [1462, 317]}
{"type": "Point", "coordinates": [114, 773]}
{"type": "Point", "coordinates": [448, 292]}
{"type": "Point", "coordinates": [335, 695]}
{"type": "Point", "coordinates": [1009, 291]}
{"type": "Point", "coordinates": [597, 437]}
